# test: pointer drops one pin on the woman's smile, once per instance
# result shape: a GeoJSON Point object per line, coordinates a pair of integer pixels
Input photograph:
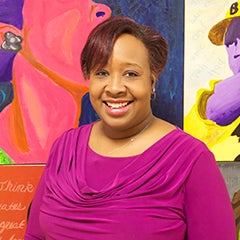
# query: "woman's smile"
{"type": "Point", "coordinates": [117, 108]}
{"type": "Point", "coordinates": [120, 91]}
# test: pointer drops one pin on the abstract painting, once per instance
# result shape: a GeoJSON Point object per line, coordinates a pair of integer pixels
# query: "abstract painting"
{"type": "Point", "coordinates": [212, 75]}
{"type": "Point", "coordinates": [42, 90]}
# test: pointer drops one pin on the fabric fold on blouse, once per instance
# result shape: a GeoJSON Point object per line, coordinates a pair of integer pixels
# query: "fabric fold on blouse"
{"type": "Point", "coordinates": [144, 200]}
{"type": "Point", "coordinates": [153, 171]}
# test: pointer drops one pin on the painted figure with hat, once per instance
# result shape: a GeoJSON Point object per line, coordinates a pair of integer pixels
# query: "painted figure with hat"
{"type": "Point", "coordinates": [215, 117]}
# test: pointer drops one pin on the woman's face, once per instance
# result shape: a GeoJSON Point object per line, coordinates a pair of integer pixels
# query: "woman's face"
{"type": "Point", "coordinates": [120, 92]}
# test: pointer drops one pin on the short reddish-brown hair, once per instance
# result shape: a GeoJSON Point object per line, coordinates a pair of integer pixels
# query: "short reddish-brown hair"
{"type": "Point", "coordinates": [100, 42]}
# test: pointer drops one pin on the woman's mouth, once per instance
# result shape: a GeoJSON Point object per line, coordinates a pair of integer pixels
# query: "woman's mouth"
{"type": "Point", "coordinates": [117, 108]}
{"type": "Point", "coordinates": [117, 105]}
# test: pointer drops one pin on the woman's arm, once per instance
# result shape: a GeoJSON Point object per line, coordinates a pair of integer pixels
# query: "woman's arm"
{"type": "Point", "coordinates": [208, 208]}
{"type": "Point", "coordinates": [33, 228]}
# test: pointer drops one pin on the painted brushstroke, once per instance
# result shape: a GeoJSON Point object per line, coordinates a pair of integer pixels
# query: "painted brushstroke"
{"type": "Point", "coordinates": [46, 76]}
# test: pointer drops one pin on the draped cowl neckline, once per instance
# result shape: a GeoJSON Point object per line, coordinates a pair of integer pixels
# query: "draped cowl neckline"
{"type": "Point", "coordinates": [151, 182]}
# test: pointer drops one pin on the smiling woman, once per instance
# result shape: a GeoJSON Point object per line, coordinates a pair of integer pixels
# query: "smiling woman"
{"type": "Point", "coordinates": [128, 76]}
{"type": "Point", "coordinates": [130, 175]}
{"type": "Point", "coordinates": [124, 86]}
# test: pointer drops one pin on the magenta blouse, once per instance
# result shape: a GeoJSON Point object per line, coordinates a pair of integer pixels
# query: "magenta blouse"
{"type": "Point", "coordinates": [172, 191]}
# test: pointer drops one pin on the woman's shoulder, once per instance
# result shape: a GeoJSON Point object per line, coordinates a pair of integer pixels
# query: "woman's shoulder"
{"type": "Point", "coordinates": [66, 145]}
{"type": "Point", "coordinates": [74, 132]}
{"type": "Point", "coordinates": [175, 136]}
{"type": "Point", "coordinates": [72, 135]}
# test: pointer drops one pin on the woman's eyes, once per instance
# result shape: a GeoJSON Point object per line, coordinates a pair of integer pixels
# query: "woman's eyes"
{"type": "Point", "coordinates": [102, 73]}
{"type": "Point", "coordinates": [131, 74]}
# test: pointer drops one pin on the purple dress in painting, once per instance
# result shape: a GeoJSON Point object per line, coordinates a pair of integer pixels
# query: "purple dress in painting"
{"type": "Point", "coordinates": [173, 190]}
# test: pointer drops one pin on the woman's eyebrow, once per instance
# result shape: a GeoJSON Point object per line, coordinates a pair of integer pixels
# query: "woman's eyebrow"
{"type": "Point", "coordinates": [132, 65]}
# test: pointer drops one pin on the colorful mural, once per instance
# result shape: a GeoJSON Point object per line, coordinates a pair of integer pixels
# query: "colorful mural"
{"type": "Point", "coordinates": [42, 91]}
{"type": "Point", "coordinates": [42, 48]}
{"type": "Point", "coordinates": [214, 116]}
{"type": "Point", "coordinates": [215, 120]}
{"type": "Point", "coordinates": [42, 85]}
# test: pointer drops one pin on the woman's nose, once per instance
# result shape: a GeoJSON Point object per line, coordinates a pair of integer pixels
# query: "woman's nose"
{"type": "Point", "coordinates": [115, 86]}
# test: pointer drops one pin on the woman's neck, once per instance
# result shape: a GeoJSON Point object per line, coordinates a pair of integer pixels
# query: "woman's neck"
{"type": "Point", "coordinates": [130, 132]}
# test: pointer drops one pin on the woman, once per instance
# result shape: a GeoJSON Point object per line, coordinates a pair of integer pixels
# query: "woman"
{"type": "Point", "coordinates": [129, 175]}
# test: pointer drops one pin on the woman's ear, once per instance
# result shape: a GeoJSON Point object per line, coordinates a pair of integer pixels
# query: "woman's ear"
{"type": "Point", "coordinates": [153, 89]}
{"type": "Point", "coordinates": [154, 80]}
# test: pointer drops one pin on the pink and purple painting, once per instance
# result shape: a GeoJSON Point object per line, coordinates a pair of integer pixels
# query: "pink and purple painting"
{"type": "Point", "coordinates": [43, 92]}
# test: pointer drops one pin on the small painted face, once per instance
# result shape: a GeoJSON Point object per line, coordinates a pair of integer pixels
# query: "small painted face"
{"type": "Point", "coordinates": [120, 92]}
{"type": "Point", "coordinates": [233, 51]}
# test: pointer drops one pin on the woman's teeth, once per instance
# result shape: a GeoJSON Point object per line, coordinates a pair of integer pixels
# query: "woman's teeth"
{"type": "Point", "coordinates": [117, 105]}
